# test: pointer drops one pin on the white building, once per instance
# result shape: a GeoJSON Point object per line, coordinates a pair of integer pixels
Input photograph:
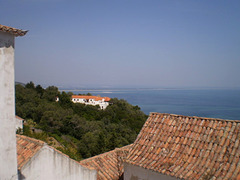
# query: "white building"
{"type": "Point", "coordinates": [19, 122]}
{"type": "Point", "coordinates": [38, 161]}
{"type": "Point", "coordinates": [8, 158]}
{"type": "Point", "coordinates": [103, 102]}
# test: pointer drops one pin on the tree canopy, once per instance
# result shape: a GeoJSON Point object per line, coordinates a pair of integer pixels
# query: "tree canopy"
{"type": "Point", "coordinates": [81, 130]}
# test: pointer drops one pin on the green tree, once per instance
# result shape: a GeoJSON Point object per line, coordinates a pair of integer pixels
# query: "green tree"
{"type": "Point", "coordinates": [65, 100]}
{"type": "Point", "coordinates": [51, 93]}
{"type": "Point", "coordinates": [82, 130]}
{"type": "Point", "coordinates": [39, 90]}
{"type": "Point", "coordinates": [30, 85]}
{"type": "Point", "coordinates": [88, 145]}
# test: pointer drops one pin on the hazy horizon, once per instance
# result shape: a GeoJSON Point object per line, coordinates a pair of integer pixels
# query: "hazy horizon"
{"type": "Point", "coordinates": [100, 88]}
{"type": "Point", "coordinates": [157, 43]}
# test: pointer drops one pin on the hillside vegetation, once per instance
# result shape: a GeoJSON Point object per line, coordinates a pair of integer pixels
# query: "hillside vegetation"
{"type": "Point", "coordinates": [79, 130]}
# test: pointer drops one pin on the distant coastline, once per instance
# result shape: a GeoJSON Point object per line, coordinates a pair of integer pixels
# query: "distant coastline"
{"type": "Point", "coordinates": [211, 103]}
{"type": "Point", "coordinates": [136, 89]}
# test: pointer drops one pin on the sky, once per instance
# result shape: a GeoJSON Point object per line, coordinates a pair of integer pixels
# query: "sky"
{"type": "Point", "coordinates": [126, 43]}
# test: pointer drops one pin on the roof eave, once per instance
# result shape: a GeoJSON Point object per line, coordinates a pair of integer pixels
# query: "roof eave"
{"type": "Point", "coordinates": [13, 31]}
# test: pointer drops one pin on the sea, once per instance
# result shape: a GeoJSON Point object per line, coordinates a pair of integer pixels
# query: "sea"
{"type": "Point", "coordinates": [212, 103]}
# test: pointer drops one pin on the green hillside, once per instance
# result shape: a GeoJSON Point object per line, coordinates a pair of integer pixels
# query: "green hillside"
{"type": "Point", "coordinates": [79, 130]}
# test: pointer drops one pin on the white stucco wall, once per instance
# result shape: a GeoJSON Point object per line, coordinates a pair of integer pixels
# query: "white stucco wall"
{"type": "Point", "coordinates": [8, 157]}
{"type": "Point", "coordinates": [132, 172]}
{"type": "Point", "coordinates": [78, 100]}
{"type": "Point", "coordinates": [101, 103]}
{"type": "Point", "coordinates": [50, 164]}
{"type": "Point", "coordinates": [19, 123]}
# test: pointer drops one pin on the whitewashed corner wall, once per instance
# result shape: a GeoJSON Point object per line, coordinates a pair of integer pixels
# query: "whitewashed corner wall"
{"type": "Point", "coordinates": [50, 164]}
{"type": "Point", "coordinates": [8, 155]}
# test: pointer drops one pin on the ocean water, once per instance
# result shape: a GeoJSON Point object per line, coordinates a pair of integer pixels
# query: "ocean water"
{"type": "Point", "coordinates": [224, 104]}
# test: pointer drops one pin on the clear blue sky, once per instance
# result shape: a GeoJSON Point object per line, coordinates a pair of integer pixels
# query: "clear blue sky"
{"type": "Point", "coordinates": [126, 43]}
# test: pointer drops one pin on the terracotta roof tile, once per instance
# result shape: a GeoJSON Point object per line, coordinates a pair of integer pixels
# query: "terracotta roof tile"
{"type": "Point", "coordinates": [188, 147]}
{"type": "Point", "coordinates": [19, 118]}
{"type": "Point", "coordinates": [26, 148]}
{"type": "Point", "coordinates": [109, 165]}
{"type": "Point", "coordinates": [13, 31]}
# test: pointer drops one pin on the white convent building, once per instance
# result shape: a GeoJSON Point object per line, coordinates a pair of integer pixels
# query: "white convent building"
{"type": "Point", "coordinates": [103, 102]}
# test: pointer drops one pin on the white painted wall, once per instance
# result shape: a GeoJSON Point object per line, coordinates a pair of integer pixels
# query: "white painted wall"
{"type": "Point", "coordinates": [19, 123]}
{"type": "Point", "coordinates": [101, 103]}
{"type": "Point", "coordinates": [79, 100]}
{"type": "Point", "coordinates": [50, 164]}
{"type": "Point", "coordinates": [8, 155]}
{"type": "Point", "coordinates": [132, 172]}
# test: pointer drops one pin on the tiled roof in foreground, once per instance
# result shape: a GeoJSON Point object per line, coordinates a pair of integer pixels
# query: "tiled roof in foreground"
{"type": "Point", "coordinates": [188, 147]}
{"type": "Point", "coordinates": [13, 31]}
{"type": "Point", "coordinates": [26, 148]}
{"type": "Point", "coordinates": [109, 165]}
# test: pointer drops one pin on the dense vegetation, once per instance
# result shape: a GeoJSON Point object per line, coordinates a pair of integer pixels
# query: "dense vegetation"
{"type": "Point", "coordinates": [79, 130]}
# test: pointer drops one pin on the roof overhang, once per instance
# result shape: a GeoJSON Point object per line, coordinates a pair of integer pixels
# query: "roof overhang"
{"type": "Point", "coordinates": [13, 31]}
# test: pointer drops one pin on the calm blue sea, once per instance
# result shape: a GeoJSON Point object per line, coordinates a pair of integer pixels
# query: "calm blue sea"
{"type": "Point", "coordinates": [223, 104]}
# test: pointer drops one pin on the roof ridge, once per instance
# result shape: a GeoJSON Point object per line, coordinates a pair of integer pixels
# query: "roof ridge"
{"type": "Point", "coordinates": [109, 165]}
{"type": "Point", "coordinates": [106, 153]}
{"type": "Point", "coordinates": [198, 117]}
{"type": "Point", "coordinates": [39, 142]}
